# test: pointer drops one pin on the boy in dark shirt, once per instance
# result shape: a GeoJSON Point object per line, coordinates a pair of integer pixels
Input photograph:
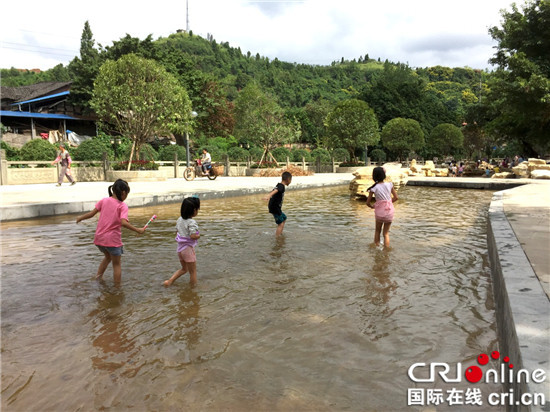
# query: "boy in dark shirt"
{"type": "Point", "coordinates": [276, 202]}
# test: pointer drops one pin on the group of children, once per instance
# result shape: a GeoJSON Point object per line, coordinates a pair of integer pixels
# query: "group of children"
{"type": "Point", "coordinates": [113, 215]}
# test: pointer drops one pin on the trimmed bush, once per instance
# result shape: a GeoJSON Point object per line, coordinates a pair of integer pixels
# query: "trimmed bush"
{"type": "Point", "coordinates": [166, 153]}
{"type": "Point", "coordinates": [323, 154]}
{"type": "Point", "coordinates": [93, 149]}
{"type": "Point", "coordinates": [298, 154]}
{"type": "Point", "coordinates": [12, 153]}
{"type": "Point", "coordinates": [256, 153]}
{"type": "Point", "coordinates": [281, 153]}
{"type": "Point", "coordinates": [378, 155]}
{"type": "Point", "coordinates": [136, 165]}
{"type": "Point", "coordinates": [238, 154]}
{"type": "Point", "coordinates": [38, 149]}
{"type": "Point", "coordinates": [340, 155]}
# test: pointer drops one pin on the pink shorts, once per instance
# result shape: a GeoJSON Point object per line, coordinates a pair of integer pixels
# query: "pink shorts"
{"type": "Point", "coordinates": [187, 255]}
{"type": "Point", "coordinates": [383, 211]}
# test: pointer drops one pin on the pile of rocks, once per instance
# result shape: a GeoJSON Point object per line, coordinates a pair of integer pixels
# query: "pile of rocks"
{"type": "Point", "coordinates": [363, 178]}
{"type": "Point", "coordinates": [532, 168]}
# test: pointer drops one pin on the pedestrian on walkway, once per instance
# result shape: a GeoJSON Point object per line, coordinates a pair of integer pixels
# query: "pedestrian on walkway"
{"type": "Point", "coordinates": [108, 238]}
{"type": "Point", "coordinates": [65, 158]}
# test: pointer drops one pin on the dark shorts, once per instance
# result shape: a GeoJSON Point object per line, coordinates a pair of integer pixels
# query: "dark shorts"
{"type": "Point", "coordinates": [114, 251]}
{"type": "Point", "coordinates": [279, 218]}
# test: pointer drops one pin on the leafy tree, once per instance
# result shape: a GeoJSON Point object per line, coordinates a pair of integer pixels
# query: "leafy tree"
{"type": "Point", "coordinates": [340, 155]}
{"type": "Point", "coordinates": [322, 154]}
{"type": "Point", "coordinates": [138, 99]}
{"type": "Point", "coordinates": [298, 154]}
{"type": "Point", "coordinates": [261, 121]}
{"type": "Point", "coordinates": [38, 149]}
{"type": "Point", "coordinates": [84, 70]}
{"type": "Point", "coordinates": [238, 154]}
{"type": "Point", "coordinates": [353, 124]}
{"type": "Point", "coordinates": [445, 139]}
{"type": "Point", "coordinates": [520, 89]}
{"type": "Point", "coordinates": [402, 136]}
{"type": "Point", "coordinates": [315, 131]}
{"type": "Point", "coordinates": [281, 153]}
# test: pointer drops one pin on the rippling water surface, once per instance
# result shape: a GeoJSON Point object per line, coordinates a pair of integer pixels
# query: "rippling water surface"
{"type": "Point", "coordinates": [316, 320]}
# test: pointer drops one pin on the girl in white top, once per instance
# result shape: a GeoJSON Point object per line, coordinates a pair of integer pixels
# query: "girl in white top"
{"type": "Point", "coordinates": [383, 208]}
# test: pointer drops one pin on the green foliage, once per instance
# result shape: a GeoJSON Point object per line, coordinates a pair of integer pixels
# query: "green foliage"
{"type": "Point", "coordinates": [402, 136]}
{"type": "Point", "coordinates": [340, 155]}
{"type": "Point", "coordinates": [261, 121]}
{"type": "Point", "coordinates": [353, 124]}
{"type": "Point", "coordinates": [93, 149]}
{"type": "Point", "coordinates": [166, 153]}
{"type": "Point", "coordinates": [445, 139]}
{"type": "Point", "coordinates": [296, 155]}
{"type": "Point", "coordinates": [281, 153]}
{"type": "Point", "coordinates": [520, 89]}
{"type": "Point", "coordinates": [38, 149]}
{"type": "Point", "coordinates": [322, 154]}
{"type": "Point", "coordinates": [139, 99]}
{"type": "Point", "coordinates": [12, 153]}
{"type": "Point", "coordinates": [378, 155]}
{"type": "Point", "coordinates": [256, 153]}
{"type": "Point", "coordinates": [238, 154]}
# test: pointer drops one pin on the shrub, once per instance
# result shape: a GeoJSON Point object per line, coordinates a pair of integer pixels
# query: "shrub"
{"type": "Point", "coordinates": [263, 165]}
{"type": "Point", "coordinates": [38, 149]}
{"type": "Point", "coordinates": [166, 153]}
{"type": "Point", "coordinates": [12, 153]}
{"type": "Point", "coordinates": [93, 149]}
{"type": "Point", "coordinates": [238, 154]}
{"type": "Point", "coordinates": [136, 165]}
{"type": "Point", "coordinates": [323, 154]}
{"type": "Point", "coordinates": [298, 154]}
{"type": "Point", "coordinates": [256, 153]}
{"type": "Point", "coordinates": [352, 164]}
{"type": "Point", "coordinates": [378, 155]}
{"type": "Point", "coordinates": [280, 153]}
{"type": "Point", "coordinates": [146, 153]}
{"type": "Point", "coordinates": [340, 155]}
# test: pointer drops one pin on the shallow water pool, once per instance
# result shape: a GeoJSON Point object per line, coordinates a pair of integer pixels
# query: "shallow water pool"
{"type": "Point", "coordinates": [318, 319]}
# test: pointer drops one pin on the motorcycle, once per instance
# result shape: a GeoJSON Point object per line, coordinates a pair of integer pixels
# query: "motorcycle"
{"type": "Point", "coordinates": [196, 170]}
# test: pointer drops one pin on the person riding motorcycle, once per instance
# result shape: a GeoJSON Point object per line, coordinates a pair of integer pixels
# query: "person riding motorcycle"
{"type": "Point", "coordinates": [206, 161]}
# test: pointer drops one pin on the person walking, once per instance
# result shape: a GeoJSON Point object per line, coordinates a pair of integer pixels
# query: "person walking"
{"type": "Point", "coordinates": [65, 159]}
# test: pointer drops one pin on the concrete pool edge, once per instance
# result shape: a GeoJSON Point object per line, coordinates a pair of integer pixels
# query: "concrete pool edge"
{"type": "Point", "coordinates": [521, 305]}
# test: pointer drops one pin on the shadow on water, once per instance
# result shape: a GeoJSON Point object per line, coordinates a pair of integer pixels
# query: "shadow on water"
{"type": "Point", "coordinates": [316, 319]}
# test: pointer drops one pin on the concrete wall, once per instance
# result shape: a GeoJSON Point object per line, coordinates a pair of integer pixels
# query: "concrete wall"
{"type": "Point", "coordinates": [522, 306]}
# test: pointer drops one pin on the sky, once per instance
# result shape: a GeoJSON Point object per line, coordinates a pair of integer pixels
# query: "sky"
{"type": "Point", "coordinates": [422, 33]}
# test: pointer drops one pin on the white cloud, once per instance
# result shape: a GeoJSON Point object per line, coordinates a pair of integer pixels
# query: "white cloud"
{"type": "Point", "coordinates": [421, 33]}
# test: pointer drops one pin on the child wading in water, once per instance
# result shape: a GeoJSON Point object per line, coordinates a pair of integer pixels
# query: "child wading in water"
{"type": "Point", "coordinates": [108, 238]}
{"type": "Point", "coordinates": [383, 208]}
{"type": "Point", "coordinates": [276, 202]}
{"type": "Point", "coordinates": [187, 236]}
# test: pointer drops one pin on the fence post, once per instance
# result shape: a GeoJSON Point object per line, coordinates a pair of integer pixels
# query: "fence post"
{"type": "Point", "coordinates": [226, 165]}
{"type": "Point", "coordinates": [3, 168]}
{"type": "Point", "coordinates": [248, 162]}
{"type": "Point", "coordinates": [105, 165]}
{"type": "Point", "coordinates": [176, 165]}
{"type": "Point", "coordinates": [287, 162]}
{"type": "Point", "coordinates": [333, 164]}
{"type": "Point", "coordinates": [318, 161]}
{"type": "Point", "coordinates": [303, 163]}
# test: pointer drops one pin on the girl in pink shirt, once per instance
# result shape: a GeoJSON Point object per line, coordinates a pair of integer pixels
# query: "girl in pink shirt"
{"type": "Point", "coordinates": [383, 208]}
{"type": "Point", "coordinates": [108, 238]}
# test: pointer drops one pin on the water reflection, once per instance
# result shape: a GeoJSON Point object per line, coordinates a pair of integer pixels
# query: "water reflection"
{"type": "Point", "coordinates": [315, 319]}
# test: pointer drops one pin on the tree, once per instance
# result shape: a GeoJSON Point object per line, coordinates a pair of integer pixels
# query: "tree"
{"type": "Point", "coordinates": [353, 124]}
{"type": "Point", "coordinates": [84, 70]}
{"type": "Point", "coordinates": [261, 121]}
{"type": "Point", "coordinates": [520, 88]}
{"type": "Point", "coordinates": [138, 99]}
{"type": "Point", "coordinates": [402, 136]}
{"type": "Point", "coordinates": [445, 139]}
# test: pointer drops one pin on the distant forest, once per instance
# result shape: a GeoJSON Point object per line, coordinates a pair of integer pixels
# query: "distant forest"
{"type": "Point", "coordinates": [214, 73]}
